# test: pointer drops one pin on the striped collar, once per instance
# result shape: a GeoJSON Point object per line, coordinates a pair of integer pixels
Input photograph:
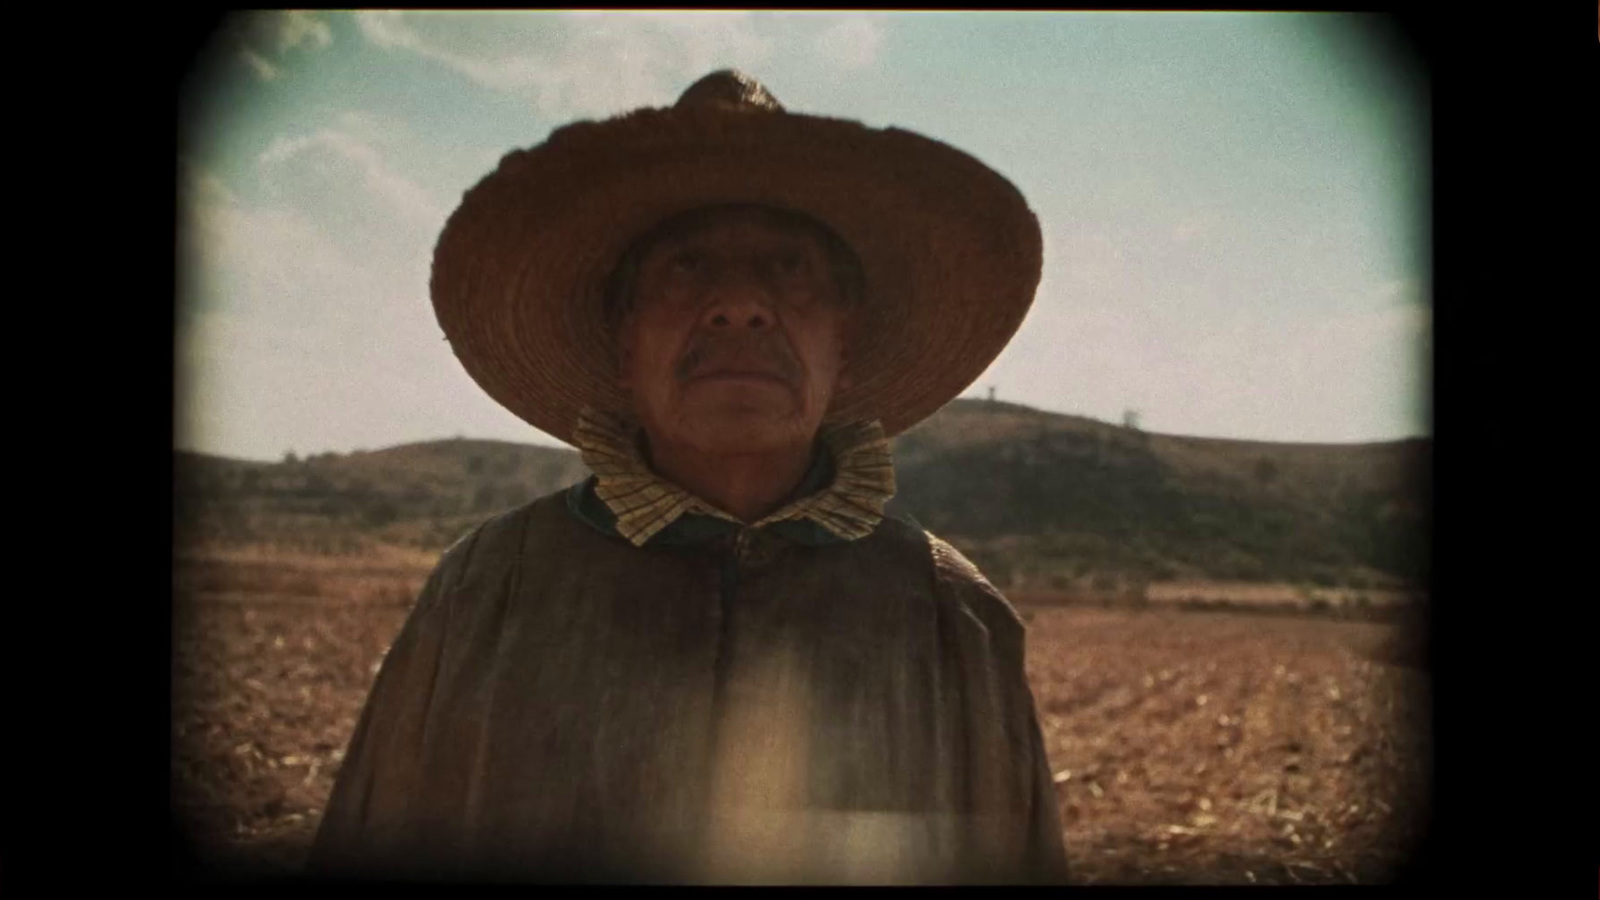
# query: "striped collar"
{"type": "Point", "coordinates": [850, 506]}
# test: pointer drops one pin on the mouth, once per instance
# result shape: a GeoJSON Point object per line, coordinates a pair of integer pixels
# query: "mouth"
{"type": "Point", "coordinates": [762, 363]}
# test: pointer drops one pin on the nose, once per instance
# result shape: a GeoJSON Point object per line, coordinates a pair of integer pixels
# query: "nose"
{"type": "Point", "coordinates": [738, 301]}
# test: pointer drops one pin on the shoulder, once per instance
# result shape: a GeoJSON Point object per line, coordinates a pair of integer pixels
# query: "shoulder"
{"type": "Point", "coordinates": [959, 577]}
{"type": "Point", "coordinates": [955, 577]}
{"type": "Point", "coordinates": [496, 546]}
{"type": "Point", "coordinates": [952, 565]}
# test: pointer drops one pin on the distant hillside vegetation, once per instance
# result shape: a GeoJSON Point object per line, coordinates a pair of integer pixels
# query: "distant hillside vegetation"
{"type": "Point", "coordinates": [1037, 499]}
{"type": "Point", "coordinates": [1062, 502]}
{"type": "Point", "coordinates": [423, 495]}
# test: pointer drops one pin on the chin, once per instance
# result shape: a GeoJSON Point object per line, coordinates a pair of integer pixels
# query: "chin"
{"type": "Point", "coordinates": [744, 430]}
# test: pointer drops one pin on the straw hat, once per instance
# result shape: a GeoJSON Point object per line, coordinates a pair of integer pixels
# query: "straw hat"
{"type": "Point", "coordinates": [950, 251]}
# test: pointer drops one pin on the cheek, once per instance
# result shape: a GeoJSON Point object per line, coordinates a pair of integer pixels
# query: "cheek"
{"type": "Point", "coordinates": [828, 344]}
{"type": "Point", "coordinates": [654, 356]}
{"type": "Point", "coordinates": [824, 353]}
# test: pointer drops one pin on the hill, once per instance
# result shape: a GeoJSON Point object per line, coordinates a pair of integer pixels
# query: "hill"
{"type": "Point", "coordinates": [424, 495]}
{"type": "Point", "coordinates": [1063, 502]}
{"type": "Point", "coordinates": [1036, 498]}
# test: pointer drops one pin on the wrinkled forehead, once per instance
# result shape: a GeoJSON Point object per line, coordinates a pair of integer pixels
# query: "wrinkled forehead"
{"type": "Point", "coordinates": [751, 222]}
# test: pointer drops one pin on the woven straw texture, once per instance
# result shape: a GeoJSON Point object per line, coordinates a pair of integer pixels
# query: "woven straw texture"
{"type": "Point", "coordinates": [949, 248]}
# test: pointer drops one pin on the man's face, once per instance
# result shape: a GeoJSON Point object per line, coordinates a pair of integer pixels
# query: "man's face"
{"type": "Point", "coordinates": [735, 342]}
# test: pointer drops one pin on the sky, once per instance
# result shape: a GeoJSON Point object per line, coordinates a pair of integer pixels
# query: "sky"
{"type": "Point", "coordinates": [1235, 206]}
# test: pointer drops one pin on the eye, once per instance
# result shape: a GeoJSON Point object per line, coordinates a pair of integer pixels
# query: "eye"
{"type": "Point", "coordinates": [790, 263]}
{"type": "Point", "coordinates": [687, 262]}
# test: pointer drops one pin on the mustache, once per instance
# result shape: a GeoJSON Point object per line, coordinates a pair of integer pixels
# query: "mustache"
{"type": "Point", "coordinates": [767, 353]}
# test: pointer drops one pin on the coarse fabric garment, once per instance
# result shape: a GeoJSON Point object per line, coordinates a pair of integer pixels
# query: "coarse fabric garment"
{"type": "Point", "coordinates": [720, 703]}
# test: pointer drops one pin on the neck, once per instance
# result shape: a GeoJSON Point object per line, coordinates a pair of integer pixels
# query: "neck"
{"type": "Point", "coordinates": [748, 486]}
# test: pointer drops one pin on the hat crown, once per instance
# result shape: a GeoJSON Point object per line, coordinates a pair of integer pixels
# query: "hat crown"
{"type": "Point", "coordinates": [730, 89]}
{"type": "Point", "coordinates": [950, 253]}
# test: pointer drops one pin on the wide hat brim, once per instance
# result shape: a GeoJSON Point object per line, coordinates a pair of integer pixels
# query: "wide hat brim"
{"type": "Point", "coordinates": [950, 251]}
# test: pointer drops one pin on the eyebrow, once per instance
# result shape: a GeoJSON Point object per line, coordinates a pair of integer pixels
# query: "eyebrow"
{"type": "Point", "coordinates": [843, 263]}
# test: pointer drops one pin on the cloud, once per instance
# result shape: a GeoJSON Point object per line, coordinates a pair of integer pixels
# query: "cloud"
{"type": "Point", "coordinates": [850, 43]}
{"type": "Point", "coordinates": [289, 338]}
{"type": "Point", "coordinates": [296, 343]}
{"type": "Point", "coordinates": [263, 69]}
{"type": "Point", "coordinates": [296, 27]}
{"type": "Point", "coordinates": [200, 188]}
{"type": "Point", "coordinates": [253, 387]}
{"type": "Point", "coordinates": [266, 261]}
{"type": "Point", "coordinates": [407, 198]}
{"type": "Point", "coordinates": [263, 37]}
{"type": "Point", "coordinates": [580, 64]}
{"type": "Point", "coordinates": [388, 29]}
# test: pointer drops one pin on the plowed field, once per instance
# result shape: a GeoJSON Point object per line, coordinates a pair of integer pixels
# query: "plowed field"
{"type": "Point", "coordinates": [1198, 747]}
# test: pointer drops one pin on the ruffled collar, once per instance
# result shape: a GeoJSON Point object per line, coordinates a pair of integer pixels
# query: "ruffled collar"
{"type": "Point", "coordinates": [644, 503]}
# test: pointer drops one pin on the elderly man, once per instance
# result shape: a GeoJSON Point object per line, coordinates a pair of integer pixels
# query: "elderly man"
{"type": "Point", "coordinates": [716, 659]}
